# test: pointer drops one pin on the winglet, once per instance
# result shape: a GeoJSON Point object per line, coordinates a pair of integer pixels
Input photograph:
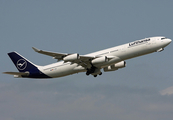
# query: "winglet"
{"type": "Point", "coordinates": [35, 49]}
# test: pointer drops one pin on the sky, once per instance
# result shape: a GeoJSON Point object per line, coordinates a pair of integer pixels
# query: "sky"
{"type": "Point", "coordinates": [143, 90]}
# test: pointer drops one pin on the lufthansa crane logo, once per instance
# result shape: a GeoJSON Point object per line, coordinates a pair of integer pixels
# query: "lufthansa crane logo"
{"type": "Point", "coordinates": [21, 64]}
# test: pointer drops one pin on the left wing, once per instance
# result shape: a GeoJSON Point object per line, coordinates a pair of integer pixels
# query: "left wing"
{"type": "Point", "coordinates": [82, 60]}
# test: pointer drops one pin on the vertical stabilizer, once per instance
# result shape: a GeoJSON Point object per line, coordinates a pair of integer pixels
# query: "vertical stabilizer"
{"type": "Point", "coordinates": [25, 67]}
{"type": "Point", "coordinates": [21, 63]}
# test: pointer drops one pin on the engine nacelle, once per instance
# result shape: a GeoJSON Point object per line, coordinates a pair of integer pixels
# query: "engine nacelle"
{"type": "Point", "coordinates": [116, 66]}
{"type": "Point", "coordinates": [71, 57]}
{"type": "Point", "coordinates": [99, 60]}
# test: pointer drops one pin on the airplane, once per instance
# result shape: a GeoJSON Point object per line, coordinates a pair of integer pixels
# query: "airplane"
{"type": "Point", "coordinates": [110, 59]}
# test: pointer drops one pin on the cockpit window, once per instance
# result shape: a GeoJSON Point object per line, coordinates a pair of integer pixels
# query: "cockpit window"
{"type": "Point", "coordinates": [163, 38]}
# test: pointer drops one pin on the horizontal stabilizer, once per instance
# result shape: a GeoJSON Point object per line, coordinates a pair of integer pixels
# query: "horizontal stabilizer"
{"type": "Point", "coordinates": [17, 73]}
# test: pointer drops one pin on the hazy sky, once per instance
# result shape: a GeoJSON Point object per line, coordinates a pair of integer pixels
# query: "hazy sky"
{"type": "Point", "coordinates": [141, 91]}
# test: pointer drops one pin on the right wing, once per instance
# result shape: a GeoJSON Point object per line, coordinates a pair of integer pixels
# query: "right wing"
{"type": "Point", "coordinates": [55, 55]}
{"type": "Point", "coordinates": [82, 60]}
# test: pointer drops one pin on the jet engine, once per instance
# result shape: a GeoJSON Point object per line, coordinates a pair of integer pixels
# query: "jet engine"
{"type": "Point", "coordinates": [99, 60]}
{"type": "Point", "coordinates": [116, 66]}
{"type": "Point", "coordinates": [71, 57]}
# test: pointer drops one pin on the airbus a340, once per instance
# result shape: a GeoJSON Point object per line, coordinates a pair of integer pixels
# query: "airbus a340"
{"type": "Point", "coordinates": [110, 59]}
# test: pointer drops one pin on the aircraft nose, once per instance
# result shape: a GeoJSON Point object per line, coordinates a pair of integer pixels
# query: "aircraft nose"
{"type": "Point", "coordinates": [168, 41]}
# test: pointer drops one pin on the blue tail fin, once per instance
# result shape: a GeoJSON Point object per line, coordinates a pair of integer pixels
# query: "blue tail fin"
{"type": "Point", "coordinates": [21, 63]}
{"type": "Point", "coordinates": [24, 65]}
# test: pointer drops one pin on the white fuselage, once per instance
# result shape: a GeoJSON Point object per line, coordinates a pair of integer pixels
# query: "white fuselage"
{"type": "Point", "coordinates": [118, 53]}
